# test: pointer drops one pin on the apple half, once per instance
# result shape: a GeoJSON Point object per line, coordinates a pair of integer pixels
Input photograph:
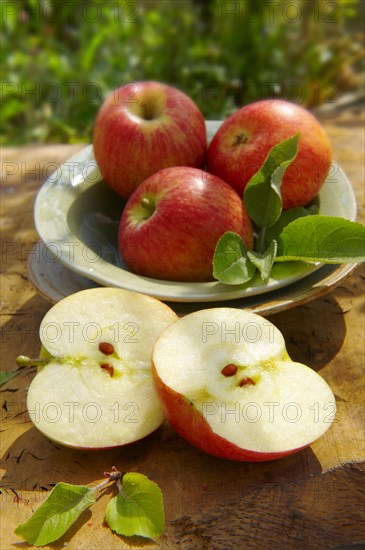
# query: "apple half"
{"type": "Point", "coordinates": [229, 387]}
{"type": "Point", "coordinates": [96, 390]}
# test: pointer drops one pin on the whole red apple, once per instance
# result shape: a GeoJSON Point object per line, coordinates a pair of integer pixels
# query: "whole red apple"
{"type": "Point", "coordinates": [242, 143]}
{"type": "Point", "coordinates": [143, 127]}
{"type": "Point", "coordinates": [173, 220]}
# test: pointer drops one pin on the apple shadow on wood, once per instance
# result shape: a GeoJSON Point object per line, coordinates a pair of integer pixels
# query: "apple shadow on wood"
{"type": "Point", "coordinates": [313, 333]}
{"type": "Point", "coordinates": [308, 520]}
{"type": "Point", "coordinates": [34, 463]}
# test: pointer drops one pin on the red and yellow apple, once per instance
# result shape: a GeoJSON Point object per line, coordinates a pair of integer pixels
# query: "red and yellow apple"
{"type": "Point", "coordinates": [228, 386]}
{"type": "Point", "coordinates": [173, 220]}
{"type": "Point", "coordinates": [244, 140]}
{"type": "Point", "coordinates": [143, 127]}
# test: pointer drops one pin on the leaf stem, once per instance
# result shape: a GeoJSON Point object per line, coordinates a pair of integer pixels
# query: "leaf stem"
{"type": "Point", "coordinates": [119, 484]}
{"type": "Point", "coordinates": [261, 240]}
{"type": "Point", "coordinates": [101, 485]}
{"type": "Point", "coordinates": [114, 475]}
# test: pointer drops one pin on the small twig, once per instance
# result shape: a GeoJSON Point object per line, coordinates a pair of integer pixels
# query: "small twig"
{"type": "Point", "coordinates": [114, 475]}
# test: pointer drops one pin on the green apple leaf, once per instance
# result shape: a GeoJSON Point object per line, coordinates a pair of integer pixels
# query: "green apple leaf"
{"type": "Point", "coordinates": [137, 509]}
{"type": "Point", "coordinates": [286, 217]}
{"type": "Point", "coordinates": [264, 262]}
{"type": "Point", "coordinates": [5, 376]}
{"type": "Point", "coordinates": [262, 195]}
{"type": "Point", "coordinates": [326, 239]}
{"type": "Point", "coordinates": [55, 516]}
{"type": "Point", "coordinates": [231, 264]}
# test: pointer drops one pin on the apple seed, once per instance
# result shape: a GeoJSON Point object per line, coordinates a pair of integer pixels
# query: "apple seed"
{"type": "Point", "coordinates": [108, 367]}
{"type": "Point", "coordinates": [229, 370]}
{"type": "Point", "coordinates": [247, 381]}
{"type": "Point", "coordinates": [106, 348]}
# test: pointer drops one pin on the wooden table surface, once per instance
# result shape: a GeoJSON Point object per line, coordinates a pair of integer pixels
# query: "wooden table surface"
{"type": "Point", "coordinates": [311, 500]}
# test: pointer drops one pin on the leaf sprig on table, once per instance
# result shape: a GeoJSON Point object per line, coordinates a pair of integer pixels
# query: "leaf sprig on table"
{"type": "Point", "coordinates": [137, 509]}
{"type": "Point", "coordinates": [295, 234]}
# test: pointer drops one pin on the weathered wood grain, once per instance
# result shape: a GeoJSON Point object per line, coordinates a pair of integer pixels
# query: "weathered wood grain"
{"type": "Point", "coordinates": [308, 501]}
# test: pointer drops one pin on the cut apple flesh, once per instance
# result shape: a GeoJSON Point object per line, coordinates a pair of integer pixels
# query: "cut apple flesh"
{"type": "Point", "coordinates": [230, 388]}
{"type": "Point", "coordinates": [97, 390]}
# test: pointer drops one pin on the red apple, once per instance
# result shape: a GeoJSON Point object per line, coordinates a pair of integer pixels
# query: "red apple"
{"type": "Point", "coordinates": [143, 127]}
{"type": "Point", "coordinates": [228, 386]}
{"type": "Point", "coordinates": [173, 220]}
{"type": "Point", "coordinates": [242, 143]}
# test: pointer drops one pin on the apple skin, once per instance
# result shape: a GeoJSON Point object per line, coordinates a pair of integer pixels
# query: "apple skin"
{"type": "Point", "coordinates": [244, 140]}
{"type": "Point", "coordinates": [143, 127]}
{"type": "Point", "coordinates": [192, 426]}
{"type": "Point", "coordinates": [192, 210]}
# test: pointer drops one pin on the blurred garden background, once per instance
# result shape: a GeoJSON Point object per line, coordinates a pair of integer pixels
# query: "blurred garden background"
{"type": "Point", "coordinates": [60, 58]}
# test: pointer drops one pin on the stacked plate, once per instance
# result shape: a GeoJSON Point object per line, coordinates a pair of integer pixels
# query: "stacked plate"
{"type": "Point", "coordinates": [77, 215]}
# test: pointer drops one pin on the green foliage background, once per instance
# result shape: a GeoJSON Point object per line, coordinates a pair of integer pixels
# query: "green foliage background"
{"type": "Point", "coordinates": [61, 57]}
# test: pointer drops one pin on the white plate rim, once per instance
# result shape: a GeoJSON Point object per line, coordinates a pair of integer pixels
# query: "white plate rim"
{"type": "Point", "coordinates": [55, 281]}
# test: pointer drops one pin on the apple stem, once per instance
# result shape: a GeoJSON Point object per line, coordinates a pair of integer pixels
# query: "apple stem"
{"type": "Point", "coordinates": [148, 205]}
{"type": "Point", "coordinates": [24, 361]}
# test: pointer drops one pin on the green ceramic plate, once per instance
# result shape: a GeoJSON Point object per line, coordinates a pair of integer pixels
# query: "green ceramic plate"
{"type": "Point", "coordinates": [76, 216]}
